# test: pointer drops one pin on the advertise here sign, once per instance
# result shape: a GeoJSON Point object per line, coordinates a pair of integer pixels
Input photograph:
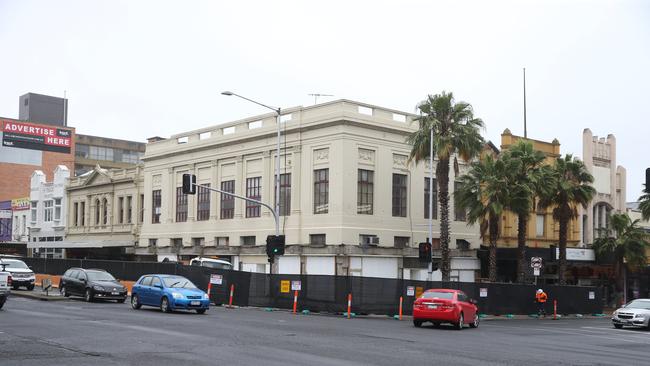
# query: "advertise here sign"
{"type": "Point", "coordinates": [36, 137]}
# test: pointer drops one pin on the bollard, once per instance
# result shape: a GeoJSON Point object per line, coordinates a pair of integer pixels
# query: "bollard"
{"type": "Point", "coordinates": [401, 300]}
{"type": "Point", "coordinates": [209, 288]}
{"type": "Point", "coordinates": [349, 305]}
{"type": "Point", "coordinates": [554, 309]}
{"type": "Point", "coordinates": [295, 300]}
{"type": "Point", "coordinates": [232, 291]}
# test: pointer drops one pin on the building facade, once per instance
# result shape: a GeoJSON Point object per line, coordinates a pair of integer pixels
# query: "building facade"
{"type": "Point", "coordinates": [104, 211]}
{"type": "Point", "coordinates": [44, 109]}
{"type": "Point", "coordinates": [351, 203]}
{"type": "Point", "coordinates": [106, 152]}
{"type": "Point", "coordinates": [47, 212]}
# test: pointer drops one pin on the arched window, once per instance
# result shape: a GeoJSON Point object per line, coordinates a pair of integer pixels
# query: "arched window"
{"type": "Point", "coordinates": [97, 212]}
{"type": "Point", "coordinates": [105, 208]}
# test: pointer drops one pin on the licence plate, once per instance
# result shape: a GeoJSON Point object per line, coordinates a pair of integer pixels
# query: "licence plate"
{"type": "Point", "coordinates": [433, 306]}
{"type": "Point", "coordinates": [115, 293]}
{"type": "Point", "coordinates": [195, 303]}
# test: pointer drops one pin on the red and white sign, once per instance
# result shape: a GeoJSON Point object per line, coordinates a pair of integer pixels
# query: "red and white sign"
{"type": "Point", "coordinates": [36, 137]}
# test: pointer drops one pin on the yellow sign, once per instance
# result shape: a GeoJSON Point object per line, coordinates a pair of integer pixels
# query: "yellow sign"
{"type": "Point", "coordinates": [20, 204]}
{"type": "Point", "coordinates": [418, 291]}
{"type": "Point", "coordinates": [285, 286]}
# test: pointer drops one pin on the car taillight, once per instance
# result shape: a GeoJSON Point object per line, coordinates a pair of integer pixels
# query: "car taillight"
{"type": "Point", "coordinates": [9, 281]}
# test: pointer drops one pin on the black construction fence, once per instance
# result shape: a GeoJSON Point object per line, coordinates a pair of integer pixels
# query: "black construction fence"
{"type": "Point", "coordinates": [330, 293]}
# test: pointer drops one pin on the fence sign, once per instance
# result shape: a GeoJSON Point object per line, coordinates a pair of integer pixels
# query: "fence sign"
{"type": "Point", "coordinates": [483, 292]}
{"type": "Point", "coordinates": [216, 279]}
{"type": "Point", "coordinates": [285, 285]}
{"type": "Point", "coordinates": [536, 262]}
{"type": "Point", "coordinates": [410, 291]}
{"type": "Point", "coordinates": [418, 291]}
{"type": "Point", "coordinates": [296, 285]}
{"type": "Point", "coordinates": [592, 295]}
{"type": "Point", "coordinates": [536, 271]}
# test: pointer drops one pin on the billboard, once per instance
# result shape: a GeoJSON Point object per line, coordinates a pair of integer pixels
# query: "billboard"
{"type": "Point", "coordinates": [36, 137]}
{"type": "Point", "coordinates": [20, 204]}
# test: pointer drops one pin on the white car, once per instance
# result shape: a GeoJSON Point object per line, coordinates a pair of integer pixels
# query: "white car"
{"type": "Point", "coordinates": [635, 313]}
{"type": "Point", "coordinates": [211, 263]}
{"type": "Point", "coordinates": [21, 274]}
{"type": "Point", "coordinates": [5, 285]}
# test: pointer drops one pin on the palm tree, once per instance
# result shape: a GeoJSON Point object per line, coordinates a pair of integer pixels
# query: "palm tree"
{"type": "Point", "coordinates": [455, 133]}
{"type": "Point", "coordinates": [484, 192]}
{"type": "Point", "coordinates": [626, 241]}
{"type": "Point", "coordinates": [569, 185]}
{"type": "Point", "coordinates": [644, 203]}
{"type": "Point", "coordinates": [527, 174]}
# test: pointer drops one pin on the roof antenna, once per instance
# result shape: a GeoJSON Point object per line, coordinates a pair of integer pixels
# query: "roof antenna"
{"type": "Point", "coordinates": [316, 95]}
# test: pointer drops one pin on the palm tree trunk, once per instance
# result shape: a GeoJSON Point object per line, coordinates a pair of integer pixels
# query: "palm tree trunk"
{"type": "Point", "coordinates": [494, 234]}
{"type": "Point", "coordinates": [522, 226]}
{"type": "Point", "coordinates": [564, 226]}
{"type": "Point", "coordinates": [442, 173]}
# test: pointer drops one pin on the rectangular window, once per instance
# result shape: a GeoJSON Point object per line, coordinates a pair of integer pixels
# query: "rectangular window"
{"type": "Point", "coordinates": [81, 150]}
{"type": "Point", "coordinates": [129, 209]}
{"type": "Point", "coordinates": [75, 213]}
{"type": "Point", "coordinates": [321, 191]}
{"type": "Point", "coordinates": [253, 189]}
{"type": "Point", "coordinates": [222, 241]}
{"type": "Point", "coordinates": [317, 239]}
{"type": "Point", "coordinates": [227, 201]}
{"type": "Point", "coordinates": [141, 208]}
{"type": "Point", "coordinates": [247, 240]}
{"type": "Point", "coordinates": [57, 209]}
{"type": "Point", "coordinates": [203, 203]}
{"type": "Point", "coordinates": [82, 213]}
{"type": "Point", "coordinates": [459, 213]}
{"type": "Point", "coordinates": [156, 200]}
{"type": "Point", "coordinates": [401, 241]}
{"type": "Point", "coordinates": [427, 189]}
{"type": "Point", "coordinates": [368, 239]}
{"type": "Point", "coordinates": [177, 243]}
{"type": "Point", "coordinates": [399, 195]}
{"type": "Point", "coordinates": [285, 194]}
{"type": "Point", "coordinates": [198, 242]}
{"type": "Point", "coordinates": [153, 242]}
{"type": "Point", "coordinates": [539, 225]}
{"type": "Point", "coordinates": [34, 210]}
{"type": "Point", "coordinates": [48, 211]}
{"type": "Point", "coordinates": [120, 210]}
{"type": "Point", "coordinates": [365, 189]}
{"type": "Point", "coordinates": [181, 205]}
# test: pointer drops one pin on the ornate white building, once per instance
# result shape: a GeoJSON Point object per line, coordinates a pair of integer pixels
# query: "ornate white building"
{"type": "Point", "coordinates": [351, 203]}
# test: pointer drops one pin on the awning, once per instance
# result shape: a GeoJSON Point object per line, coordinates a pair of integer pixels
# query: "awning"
{"type": "Point", "coordinates": [80, 244]}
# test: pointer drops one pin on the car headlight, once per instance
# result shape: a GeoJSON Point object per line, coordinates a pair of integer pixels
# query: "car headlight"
{"type": "Point", "coordinates": [177, 295]}
{"type": "Point", "coordinates": [98, 288]}
{"type": "Point", "coordinates": [639, 316]}
{"type": "Point", "coordinates": [206, 297]}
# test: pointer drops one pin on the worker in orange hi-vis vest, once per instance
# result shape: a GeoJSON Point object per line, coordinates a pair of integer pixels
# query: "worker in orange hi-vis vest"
{"type": "Point", "coordinates": [540, 299]}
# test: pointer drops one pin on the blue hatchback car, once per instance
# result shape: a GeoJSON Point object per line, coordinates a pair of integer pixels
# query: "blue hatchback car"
{"type": "Point", "coordinates": [169, 292]}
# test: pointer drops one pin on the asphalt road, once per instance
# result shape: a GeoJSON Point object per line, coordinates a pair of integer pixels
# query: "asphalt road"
{"type": "Point", "coordinates": [72, 332]}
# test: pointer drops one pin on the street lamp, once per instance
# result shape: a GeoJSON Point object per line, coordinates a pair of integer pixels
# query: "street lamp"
{"type": "Point", "coordinates": [278, 111]}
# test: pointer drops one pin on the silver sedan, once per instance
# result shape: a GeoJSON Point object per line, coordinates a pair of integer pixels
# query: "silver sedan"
{"type": "Point", "coordinates": [636, 313]}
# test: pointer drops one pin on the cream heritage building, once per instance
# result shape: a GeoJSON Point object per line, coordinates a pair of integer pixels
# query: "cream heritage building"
{"type": "Point", "coordinates": [351, 204]}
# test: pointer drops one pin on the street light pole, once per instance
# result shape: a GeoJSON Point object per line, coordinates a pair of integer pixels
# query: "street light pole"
{"type": "Point", "coordinates": [431, 188]}
{"type": "Point", "coordinates": [278, 111]}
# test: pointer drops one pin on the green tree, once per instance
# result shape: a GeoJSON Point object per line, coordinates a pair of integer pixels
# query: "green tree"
{"type": "Point", "coordinates": [626, 241]}
{"type": "Point", "coordinates": [568, 185]}
{"type": "Point", "coordinates": [528, 174]}
{"type": "Point", "coordinates": [484, 192]}
{"type": "Point", "coordinates": [456, 133]}
{"type": "Point", "coordinates": [644, 203]}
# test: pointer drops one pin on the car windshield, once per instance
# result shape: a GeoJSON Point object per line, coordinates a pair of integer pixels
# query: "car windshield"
{"type": "Point", "coordinates": [217, 265]}
{"type": "Point", "coordinates": [10, 264]}
{"type": "Point", "coordinates": [438, 295]}
{"type": "Point", "coordinates": [178, 282]}
{"type": "Point", "coordinates": [639, 304]}
{"type": "Point", "coordinates": [99, 276]}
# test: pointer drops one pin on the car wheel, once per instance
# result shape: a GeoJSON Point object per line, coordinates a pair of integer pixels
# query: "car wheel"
{"type": "Point", "coordinates": [30, 287]}
{"type": "Point", "coordinates": [2, 302]}
{"type": "Point", "coordinates": [474, 324]}
{"type": "Point", "coordinates": [88, 296]}
{"type": "Point", "coordinates": [201, 311]}
{"type": "Point", "coordinates": [618, 326]}
{"type": "Point", "coordinates": [417, 323]}
{"type": "Point", "coordinates": [135, 302]}
{"type": "Point", "coordinates": [461, 322]}
{"type": "Point", "coordinates": [64, 292]}
{"type": "Point", "coordinates": [164, 305]}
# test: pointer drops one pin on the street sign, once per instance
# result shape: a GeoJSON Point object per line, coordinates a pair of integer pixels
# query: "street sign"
{"type": "Point", "coordinates": [410, 291]}
{"type": "Point", "coordinates": [216, 279]}
{"type": "Point", "coordinates": [536, 262]}
{"type": "Point", "coordinates": [296, 285]}
{"type": "Point", "coordinates": [285, 285]}
{"type": "Point", "coordinates": [483, 292]}
{"type": "Point", "coordinates": [418, 291]}
{"type": "Point", "coordinates": [592, 295]}
{"type": "Point", "coordinates": [536, 271]}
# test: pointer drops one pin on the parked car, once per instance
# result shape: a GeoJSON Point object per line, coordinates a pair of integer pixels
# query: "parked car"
{"type": "Point", "coordinates": [211, 263]}
{"type": "Point", "coordinates": [445, 306]}
{"type": "Point", "coordinates": [169, 292]}
{"type": "Point", "coordinates": [21, 274]}
{"type": "Point", "coordinates": [5, 285]}
{"type": "Point", "coordinates": [635, 313]}
{"type": "Point", "coordinates": [91, 284]}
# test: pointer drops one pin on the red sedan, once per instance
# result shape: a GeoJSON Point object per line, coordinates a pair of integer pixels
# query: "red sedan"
{"type": "Point", "coordinates": [445, 306]}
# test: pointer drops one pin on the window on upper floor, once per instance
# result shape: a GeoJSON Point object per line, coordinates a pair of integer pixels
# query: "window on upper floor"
{"type": "Point", "coordinates": [365, 192]}
{"type": "Point", "coordinates": [181, 205]}
{"type": "Point", "coordinates": [400, 195]}
{"type": "Point", "coordinates": [285, 194]}
{"type": "Point", "coordinates": [48, 210]}
{"type": "Point", "coordinates": [203, 202]}
{"type": "Point", "coordinates": [427, 188]}
{"type": "Point", "coordinates": [34, 210]}
{"type": "Point", "coordinates": [459, 213]}
{"type": "Point", "coordinates": [321, 191]}
{"type": "Point", "coordinates": [156, 201]}
{"type": "Point", "coordinates": [253, 191]}
{"type": "Point", "coordinates": [227, 201]}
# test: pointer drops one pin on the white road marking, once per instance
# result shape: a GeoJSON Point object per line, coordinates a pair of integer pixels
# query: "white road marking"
{"type": "Point", "coordinates": [144, 329]}
{"type": "Point", "coordinates": [590, 335]}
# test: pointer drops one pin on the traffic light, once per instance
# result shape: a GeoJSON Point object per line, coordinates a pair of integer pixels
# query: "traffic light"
{"type": "Point", "coordinates": [189, 184]}
{"type": "Point", "coordinates": [274, 245]}
{"type": "Point", "coordinates": [425, 252]}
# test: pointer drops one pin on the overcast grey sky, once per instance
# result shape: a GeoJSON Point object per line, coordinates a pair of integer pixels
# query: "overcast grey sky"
{"type": "Point", "coordinates": [138, 69]}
